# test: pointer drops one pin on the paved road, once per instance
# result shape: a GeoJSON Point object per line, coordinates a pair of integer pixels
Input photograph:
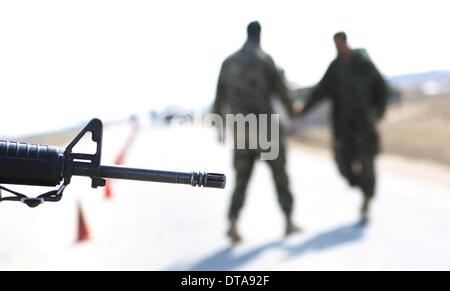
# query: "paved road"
{"type": "Point", "coordinates": [175, 227]}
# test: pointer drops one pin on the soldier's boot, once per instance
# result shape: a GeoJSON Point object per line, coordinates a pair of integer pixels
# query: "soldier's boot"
{"type": "Point", "coordinates": [233, 232]}
{"type": "Point", "coordinates": [368, 189]}
{"type": "Point", "coordinates": [291, 227]}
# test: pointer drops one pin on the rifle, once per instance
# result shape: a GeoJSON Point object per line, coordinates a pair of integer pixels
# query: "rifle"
{"type": "Point", "coordinates": [42, 165]}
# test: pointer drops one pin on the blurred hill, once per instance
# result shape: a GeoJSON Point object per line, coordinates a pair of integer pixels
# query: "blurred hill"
{"type": "Point", "coordinates": [417, 123]}
{"type": "Point", "coordinates": [63, 136]}
{"type": "Point", "coordinates": [423, 84]}
{"type": "Point", "coordinates": [58, 138]}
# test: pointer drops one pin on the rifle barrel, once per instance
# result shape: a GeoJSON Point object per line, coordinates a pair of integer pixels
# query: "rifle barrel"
{"type": "Point", "coordinates": [211, 180]}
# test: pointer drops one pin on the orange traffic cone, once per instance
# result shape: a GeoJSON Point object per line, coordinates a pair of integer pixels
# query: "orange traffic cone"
{"type": "Point", "coordinates": [83, 230]}
{"type": "Point", "coordinates": [108, 189]}
{"type": "Point", "coordinates": [120, 158]}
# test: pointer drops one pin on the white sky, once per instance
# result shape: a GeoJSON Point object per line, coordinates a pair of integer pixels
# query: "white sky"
{"type": "Point", "coordinates": [66, 61]}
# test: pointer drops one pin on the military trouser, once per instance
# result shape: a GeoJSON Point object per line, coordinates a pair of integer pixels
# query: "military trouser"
{"type": "Point", "coordinates": [346, 154]}
{"type": "Point", "coordinates": [244, 161]}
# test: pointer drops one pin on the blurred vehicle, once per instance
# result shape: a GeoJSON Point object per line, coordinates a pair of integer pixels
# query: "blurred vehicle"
{"type": "Point", "coordinates": [167, 115]}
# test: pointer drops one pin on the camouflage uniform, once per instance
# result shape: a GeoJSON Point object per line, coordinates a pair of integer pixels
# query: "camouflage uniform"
{"type": "Point", "coordinates": [248, 81]}
{"type": "Point", "coordinates": [359, 95]}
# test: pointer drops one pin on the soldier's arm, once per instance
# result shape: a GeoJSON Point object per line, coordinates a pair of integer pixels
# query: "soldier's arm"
{"type": "Point", "coordinates": [280, 88]}
{"type": "Point", "coordinates": [220, 93]}
{"type": "Point", "coordinates": [220, 103]}
{"type": "Point", "coordinates": [380, 92]}
{"type": "Point", "coordinates": [320, 91]}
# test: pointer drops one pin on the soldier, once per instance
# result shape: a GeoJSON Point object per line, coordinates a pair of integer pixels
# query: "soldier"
{"type": "Point", "coordinates": [359, 95]}
{"type": "Point", "coordinates": [248, 80]}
